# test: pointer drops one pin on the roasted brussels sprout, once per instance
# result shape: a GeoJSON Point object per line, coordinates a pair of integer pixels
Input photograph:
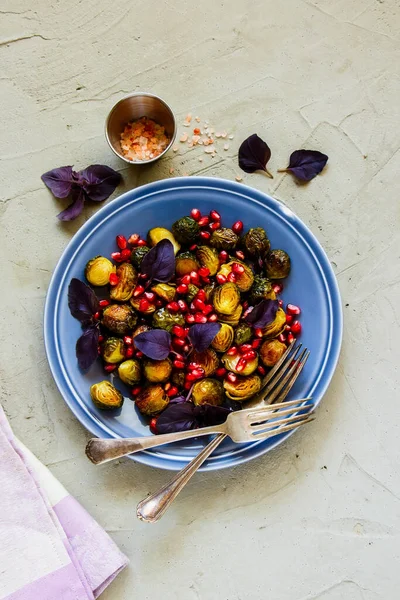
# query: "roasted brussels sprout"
{"type": "Point", "coordinates": [192, 291]}
{"type": "Point", "coordinates": [185, 263]}
{"type": "Point", "coordinates": [207, 360]}
{"type": "Point", "coordinates": [129, 371]}
{"type": "Point", "coordinates": [232, 319]}
{"type": "Point", "coordinates": [209, 290]}
{"type": "Point", "coordinates": [277, 264]}
{"type": "Point", "coordinates": [164, 319]}
{"type": "Point", "coordinates": [128, 277]}
{"type": "Point", "coordinates": [152, 400]}
{"type": "Point", "coordinates": [277, 326]}
{"type": "Point", "coordinates": [157, 371]}
{"type": "Point", "coordinates": [166, 291]}
{"type": "Point", "coordinates": [256, 242]}
{"type": "Point", "coordinates": [138, 254]}
{"type": "Point", "coordinates": [243, 388]}
{"type": "Point", "coordinates": [141, 329]}
{"type": "Point", "coordinates": [208, 391]}
{"type": "Point", "coordinates": [224, 239]}
{"type": "Point", "coordinates": [105, 396]}
{"type": "Point", "coordinates": [226, 298]}
{"type": "Point", "coordinates": [261, 290]}
{"type": "Point", "coordinates": [136, 305]}
{"type": "Point", "coordinates": [231, 363]}
{"type": "Point", "coordinates": [112, 350]}
{"type": "Point", "coordinates": [160, 233]}
{"type": "Point", "coordinates": [186, 230]}
{"type": "Point", "coordinates": [243, 333]}
{"type": "Point", "coordinates": [178, 378]}
{"type": "Point", "coordinates": [244, 280]}
{"type": "Point", "coordinates": [271, 351]}
{"type": "Point", "coordinates": [119, 318]}
{"type": "Point", "coordinates": [98, 270]}
{"type": "Point", "coordinates": [224, 338]}
{"type": "Point", "coordinates": [208, 257]}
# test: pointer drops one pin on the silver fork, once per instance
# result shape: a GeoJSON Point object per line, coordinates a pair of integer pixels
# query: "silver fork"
{"type": "Point", "coordinates": [275, 387]}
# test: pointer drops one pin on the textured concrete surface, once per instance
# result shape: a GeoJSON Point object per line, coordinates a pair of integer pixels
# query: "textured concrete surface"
{"type": "Point", "coordinates": [319, 517]}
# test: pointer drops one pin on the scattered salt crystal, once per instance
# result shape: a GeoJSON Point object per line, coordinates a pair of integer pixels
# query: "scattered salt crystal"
{"type": "Point", "coordinates": [183, 137]}
{"type": "Point", "coordinates": [186, 124]}
{"type": "Point", "coordinates": [195, 139]}
{"type": "Point", "coordinates": [175, 149]}
{"type": "Point", "coordinates": [209, 150]}
{"type": "Point", "coordinates": [211, 129]}
{"type": "Point", "coordinates": [185, 174]}
{"type": "Point", "coordinates": [200, 159]}
{"type": "Point", "coordinates": [224, 134]}
{"type": "Point", "coordinates": [238, 178]}
{"type": "Point", "coordinates": [172, 170]}
{"type": "Point", "coordinates": [188, 118]}
{"type": "Point", "coordinates": [226, 146]}
{"type": "Point", "coordinates": [190, 144]}
{"type": "Point", "coordinates": [197, 119]}
{"type": "Point", "coordinates": [218, 134]}
{"type": "Point", "coordinates": [200, 143]}
{"type": "Point", "coordinates": [230, 137]}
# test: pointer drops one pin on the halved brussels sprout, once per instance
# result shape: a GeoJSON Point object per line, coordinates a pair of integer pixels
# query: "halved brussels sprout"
{"type": "Point", "coordinates": [138, 254]}
{"type": "Point", "coordinates": [256, 242]}
{"type": "Point", "coordinates": [244, 280]}
{"type": "Point", "coordinates": [164, 319]}
{"type": "Point", "coordinates": [231, 362]}
{"type": "Point", "coordinates": [185, 263]}
{"type": "Point", "coordinates": [226, 298]}
{"type": "Point", "coordinates": [243, 388]}
{"type": "Point", "coordinates": [277, 264]}
{"type": "Point", "coordinates": [112, 350]}
{"type": "Point", "coordinates": [224, 338]}
{"type": "Point", "coordinates": [105, 396]}
{"type": "Point", "coordinates": [178, 378]}
{"type": "Point", "coordinates": [209, 290]}
{"type": "Point", "coordinates": [141, 329]}
{"type": "Point", "coordinates": [166, 291]}
{"type": "Point", "coordinates": [157, 371]}
{"type": "Point", "coordinates": [208, 391]}
{"type": "Point", "coordinates": [160, 233]}
{"type": "Point", "coordinates": [207, 360]}
{"type": "Point", "coordinates": [98, 270]}
{"type": "Point", "coordinates": [224, 239]}
{"type": "Point", "coordinates": [129, 371]}
{"type": "Point", "coordinates": [152, 400]}
{"type": "Point", "coordinates": [192, 291]}
{"type": "Point", "coordinates": [186, 230]}
{"type": "Point", "coordinates": [277, 326]}
{"type": "Point", "coordinates": [271, 351]}
{"type": "Point", "coordinates": [243, 333]}
{"type": "Point", "coordinates": [208, 257]}
{"type": "Point", "coordinates": [128, 277]}
{"type": "Point", "coordinates": [232, 319]}
{"type": "Point", "coordinates": [136, 305]}
{"type": "Point", "coordinates": [261, 290]}
{"type": "Point", "coordinates": [119, 318]}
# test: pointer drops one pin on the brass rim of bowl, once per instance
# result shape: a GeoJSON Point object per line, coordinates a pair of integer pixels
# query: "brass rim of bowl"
{"type": "Point", "coordinates": [150, 160]}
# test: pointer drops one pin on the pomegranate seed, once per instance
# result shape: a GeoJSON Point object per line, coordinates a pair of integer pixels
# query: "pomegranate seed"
{"type": "Point", "coordinates": [244, 348]}
{"type": "Point", "coordinates": [231, 377]}
{"type": "Point", "coordinates": [98, 350]}
{"type": "Point", "coordinates": [159, 303]}
{"type": "Point", "coordinates": [256, 343]}
{"type": "Point", "coordinates": [144, 305]}
{"type": "Point", "coordinates": [214, 226]}
{"type": "Point", "coordinates": [179, 364]}
{"type": "Point", "coordinates": [208, 308]}
{"type": "Point", "coordinates": [199, 304]}
{"type": "Point", "coordinates": [167, 386]}
{"type": "Point", "coordinates": [232, 351]}
{"type": "Point", "coordinates": [250, 355]}
{"type": "Point", "coordinates": [204, 221]}
{"type": "Point", "coordinates": [141, 243]}
{"type": "Point", "coordinates": [173, 307]}
{"type": "Point", "coordinates": [116, 256]}
{"type": "Point", "coordinates": [129, 352]}
{"type": "Point", "coordinates": [134, 239]}
{"type": "Point", "coordinates": [241, 364]}
{"type": "Point", "coordinates": [128, 340]}
{"type": "Point", "coordinates": [179, 331]}
{"type": "Point", "coordinates": [125, 254]}
{"type": "Point", "coordinates": [153, 426]}
{"type": "Point", "coordinates": [223, 256]}
{"type": "Point", "coordinates": [289, 319]}
{"type": "Point", "coordinates": [187, 385]}
{"type": "Point", "coordinates": [240, 255]}
{"type": "Point", "coordinates": [238, 269]}
{"type": "Point", "coordinates": [280, 302]}
{"type": "Point", "coordinates": [206, 280]}
{"type": "Point", "coordinates": [220, 372]}
{"type": "Point", "coordinates": [109, 368]}
{"type": "Point", "coordinates": [139, 289]}
{"type": "Point", "coordinates": [201, 295]}
{"type": "Point", "coordinates": [292, 309]}
{"type": "Point", "coordinates": [136, 390]}
{"type": "Point", "coordinates": [150, 296]}
{"type": "Point", "coordinates": [200, 318]}
{"type": "Point", "coordinates": [114, 279]}
{"type": "Point", "coordinates": [172, 392]}
{"type": "Point", "coordinates": [104, 303]}
{"type": "Point", "coordinates": [282, 338]}
{"type": "Point", "coordinates": [290, 338]}
{"type": "Point", "coordinates": [193, 247]}
{"type": "Point", "coordinates": [288, 328]}
{"type": "Point", "coordinates": [121, 242]}
{"type": "Point", "coordinates": [245, 305]}
{"type": "Point", "coordinates": [186, 349]}
{"type": "Point", "coordinates": [193, 365]}
{"type": "Point", "coordinates": [101, 339]}
{"type": "Point", "coordinates": [182, 288]}
{"type": "Point", "coordinates": [143, 276]}
{"type": "Point", "coordinates": [139, 354]}
{"type": "Point", "coordinates": [259, 332]}
{"type": "Point", "coordinates": [231, 277]}
{"type": "Point", "coordinates": [193, 275]}
{"type": "Point", "coordinates": [215, 216]}
{"type": "Point", "coordinates": [183, 306]}
{"type": "Point", "coordinates": [277, 287]}
{"type": "Point", "coordinates": [237, 227]}
{"type": "Point", "coordinates": [261, 370]}
{"type": "Point", "coordinates": [205, 235]}
{"type": "Point", "coordinates": [189, 318]}
{"type": "Point", "coordinates": [203, 272]}
{"type": "Point", "coordinates": [186, 280]}
{"type": "Point", "coordinates": [195, 374]}
{"type": "Point", "coordinates": [179, 357]}
{"type": "Point", "coordinates": [296, 327]}
{"type": "Point", "coordinates": [195, 214]}
{"type": "Point", "coordinates": [212, 318]}
{"type": "Point", "coordinates": [96, 315]}
{"type": "Point", "coordinates": [179, 342]}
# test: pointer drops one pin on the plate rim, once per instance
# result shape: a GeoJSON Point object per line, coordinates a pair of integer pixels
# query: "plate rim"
{"type": "Point", "coordinates": [141, 193]}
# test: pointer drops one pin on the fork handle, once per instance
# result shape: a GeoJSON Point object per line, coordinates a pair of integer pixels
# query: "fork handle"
{"type": "Point", "coordinates": [152, 508]}
{"type": "Point", "coordinates": [100, 450]}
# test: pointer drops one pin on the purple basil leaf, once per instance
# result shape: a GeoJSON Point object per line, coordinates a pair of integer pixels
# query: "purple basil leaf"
{"type": "Point", "coordinates": [159, 262]}
{"type": "Point", "coordinates": [87, 347]}
{"type": "Point", "coordinates": [76, 206]}
{"type": "Point", "coordinates": [99, 181]}
{"type": "Point", "coordinates": [176, 417]}
{"type": "Point", "coordinates": [306, 164]}
{"type": "Point", "coordinates": [263, 313]}
{"type": "Point", "coordinates": [82, 301]}
{"type": "Point", "coordinates": [202, 335]}
{"type": "Point", "coordinates": [254, 155]}
{"type": "Point", "coordinates": [177, 400]}
{"type": "Point", "coordinates": [208, 414]}
{"type": "Point", "coordinates": [59, 181]}
{"type": "Point", "coordinates": [155, 344]}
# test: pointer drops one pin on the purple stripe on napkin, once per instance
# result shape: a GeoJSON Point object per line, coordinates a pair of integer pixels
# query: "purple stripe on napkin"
{"type": "Point", "coordinates": [63, 584]}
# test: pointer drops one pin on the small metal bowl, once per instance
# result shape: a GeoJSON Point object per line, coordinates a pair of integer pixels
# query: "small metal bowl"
{"type": "Point", "coordinates": [135, 106]}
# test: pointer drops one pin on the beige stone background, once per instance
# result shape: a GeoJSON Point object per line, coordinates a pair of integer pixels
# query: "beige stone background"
{"type": "Point", "coordinates": [320, 516]}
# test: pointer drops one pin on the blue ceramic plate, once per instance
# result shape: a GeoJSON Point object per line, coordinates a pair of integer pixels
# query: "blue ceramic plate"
{"type": "Point", "coordinates": [311, 285]}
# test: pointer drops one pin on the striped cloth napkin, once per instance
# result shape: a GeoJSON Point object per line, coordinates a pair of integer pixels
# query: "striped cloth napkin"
{"type": "Point", "coordinates": [50, 547]}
